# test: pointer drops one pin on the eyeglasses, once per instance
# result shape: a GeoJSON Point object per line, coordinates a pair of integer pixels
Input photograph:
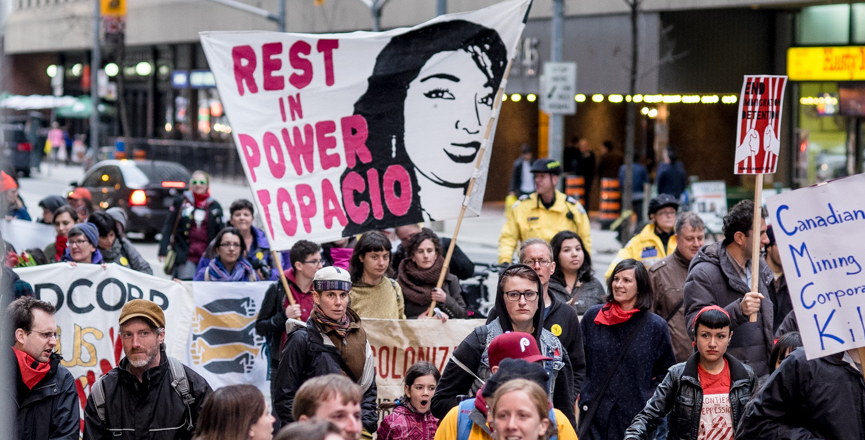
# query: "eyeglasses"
{"type": "Point", "coordinates": [77, 243]}
{"type": "Point", "coordinates": [514, 295]}
{"type": "Point", "coordinates": [543, 263]}
{"type": "Point", "coordinates": [313, 262]}
{"type": "Point", "coordinates": [229, 245]}
{"type": "Point", "coordinates": [199, 182]}
{"type": "Point", "coordinates": [46, 335]}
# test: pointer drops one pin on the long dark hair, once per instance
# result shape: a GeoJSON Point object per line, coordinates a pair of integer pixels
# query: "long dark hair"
{"type": "Point", "coordinates": [641, 276]}
{"type": "Point", "coordinates": [788, 342]}
{"type": "Point", "coordinates": [383, 107]}
{"type": "Point", "coordinates": [418, 369]}
{"type": "Point", "coordinates": [585, 273]}
{"type": "Point", "coordinates": [372, 241]}
{"type": "Point", "coordinates": [229, 412]}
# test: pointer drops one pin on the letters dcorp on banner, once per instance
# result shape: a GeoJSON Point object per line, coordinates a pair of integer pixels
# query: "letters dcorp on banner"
{"type": "Point", "coordinates": [820, 238]}
{"type": "Point", "coordinates": [344, 133]}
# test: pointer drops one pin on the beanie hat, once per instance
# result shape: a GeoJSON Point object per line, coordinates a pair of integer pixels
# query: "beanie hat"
{"type": "Point", "coordinates": [88, 229]}
{"type": "Point", "coordinates": [331, 278]}
{"type": "Point", "coordinates": [6, 182]}
{"type": "Point", "coordinates": [142, 308]}
{"type": "Point", "coordinates": [514, 345]}
{"type": "Point", "coordinates": [119, 215]}
{"type": "Point", "coordinates": [52, 202]}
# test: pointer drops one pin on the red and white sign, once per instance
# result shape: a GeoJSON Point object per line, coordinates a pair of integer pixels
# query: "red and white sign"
{"type": "Point", "coordinates": [758, 131]}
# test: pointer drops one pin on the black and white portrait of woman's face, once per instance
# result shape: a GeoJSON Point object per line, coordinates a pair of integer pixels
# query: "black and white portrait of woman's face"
{"type": "Point", "coordinates": [446, 101]}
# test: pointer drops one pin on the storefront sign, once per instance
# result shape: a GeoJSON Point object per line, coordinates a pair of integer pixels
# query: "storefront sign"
{"type": "Point", "coordinates": [344, 133]}
{"type": "Point", "coordinates": [201, 79]}
{"type": "Point", "coordinates": [826, 63]}
{"type": "Point", "coordinates": [758, 131]}
{"type": "Point", "coordinates": [819, 230]}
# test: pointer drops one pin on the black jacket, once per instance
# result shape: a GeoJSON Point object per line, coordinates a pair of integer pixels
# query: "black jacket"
{"type": "Point", "coordinates": [181, 237]}
{"type": "Point", "coordinates": [460, 265]}
{"type": "Point", "coordinates": [564, 323]}
{"type": "Point", "coordinates": [270, 321]}
{"type": "Point", "coordinates": [305, 356]}
{"type": "Point", "coordinates": [822, 398]}
{"type": "Point", "coordinates": [681, 396]}
{"type": "Point", "coordinates": [781, 302]}
{"type": "Point", "coordinates": [50, 409]}
{"type": "Point", "coordinates": [456, 384]}
{"type": "Point", "coordinates": [150, 409]}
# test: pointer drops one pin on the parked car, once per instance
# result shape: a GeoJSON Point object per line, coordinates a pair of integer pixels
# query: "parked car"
{"type": "Point", "coordinates": [16, 147]}
{"type": "Point", "coordinates": [145, 189]}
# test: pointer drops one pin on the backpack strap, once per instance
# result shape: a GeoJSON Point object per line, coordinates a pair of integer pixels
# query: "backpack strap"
{"type": "Point", "coordinates": [464, 422]}
{"type": "Point", "coordinates": [97, 392]}
{"type": "Point", "coordinates": [180, 383]}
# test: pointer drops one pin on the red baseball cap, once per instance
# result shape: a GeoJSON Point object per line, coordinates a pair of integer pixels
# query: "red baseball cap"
{"type": "Point", "coordinates": [79, 193]}
{"type": "Point", "coordinates": [514, 345]}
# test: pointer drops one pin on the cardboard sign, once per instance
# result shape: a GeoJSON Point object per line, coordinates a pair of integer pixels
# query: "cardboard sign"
{"type": "Point", "coordinates": [758, 131]}
{"type": "Point", "coordinates": [710, 203]}
{"type": "Point", "coordinates": [820, 237]}
{"type": "Point", "coordinates": [344, 133]}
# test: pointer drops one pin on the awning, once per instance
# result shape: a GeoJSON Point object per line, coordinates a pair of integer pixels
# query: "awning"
{"type": "Point", "coordinates": [35, 102]}
{"type": "Point", "coordinates": [81, 108]}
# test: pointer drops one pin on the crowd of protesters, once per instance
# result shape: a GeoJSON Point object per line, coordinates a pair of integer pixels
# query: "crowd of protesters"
{"type": "Point", "coordinates": [664, 349]}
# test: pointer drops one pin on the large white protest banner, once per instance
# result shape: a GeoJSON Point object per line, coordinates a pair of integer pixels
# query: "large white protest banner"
{"type": "Point", "coordinates": [88, 299]}
{"type": "Point", "coordinates": [819, 231]}
{"type": "Point", "coordinates": [344, 133]}
{"type": "Point", "coordinates": [25, 235]}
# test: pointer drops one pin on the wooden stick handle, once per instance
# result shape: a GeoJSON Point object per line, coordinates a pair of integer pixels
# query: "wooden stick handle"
{"type": "Point", "coordinates": [755, 237]}
{"type": "Point", "coordinates": [282, 279]}
{"type": "Point", "coordinates": [862, 358]}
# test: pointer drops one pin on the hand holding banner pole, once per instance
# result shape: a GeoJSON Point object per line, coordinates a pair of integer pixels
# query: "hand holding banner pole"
{"type": "Point", "coordinates": [282, 279]}
{"type": "Point", "coordinates": [478, 163]}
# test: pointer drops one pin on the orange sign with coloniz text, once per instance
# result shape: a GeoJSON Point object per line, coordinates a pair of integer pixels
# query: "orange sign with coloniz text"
{"type": "Point", "coordinates": [758, 131]}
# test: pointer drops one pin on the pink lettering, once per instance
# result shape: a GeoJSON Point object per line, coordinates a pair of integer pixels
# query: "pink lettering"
{"type": "Point", "coordinates": [294, 107]}
{"type": "Point", "coordinates": [298, 62]}
{"type": "Point", "coordinates": [306, 204]}
{"type": "Point", "coordinates": [271, 64]}
{"type": "Point", "coordinates": [354, 183]}
{"type": "Point", "coordinates": [375, 193]}
{"type": "Point", "coordinates": [264, 199]}
{"type": "Point", "coordinates": [301, 149]}
{"type": "Point", "coordinates": [243, 72]}
{"type": "Point", "coordinates": [277, 165]}
{"type": "Point", "coordinates": [251, 153]}
{"type": "Point", "coordinates": [289, 222]}
{"type": "Point", "coordinates": [326, 47]}
{"type": "Point", "coordinates": [393, 176]}
{"type": "Point", "coordinates": [354, 135]}
{"type": "Point", "coordinates": [324, 137]}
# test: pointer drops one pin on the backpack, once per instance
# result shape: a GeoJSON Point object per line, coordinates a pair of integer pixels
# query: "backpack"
{"type": "Point", "coordinates": [464, 423]}
{"type": "Point", "coordinates": [178, 381]}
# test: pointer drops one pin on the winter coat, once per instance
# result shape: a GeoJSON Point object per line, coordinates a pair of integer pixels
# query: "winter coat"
{"type": "Point", "coordinates": [454, 306]}
{"type": "Point", "coordinates": [404, 423]}
{"type": "Point", "coordinates": [789, 324]}
{"type": "Point", "coordinates": [382, 301]}
{"type": "Point", "coordinates": [713, 280]}
{"type": "Point", "coordinates": [823, 398]}
{"type": "Point", "coordinates": [782, 304]}
{"type": "Point", "coordinates": [642, 368]}
{"type": "Point", "coordinates": [242, 266]}
{"type": "Point", "coordinates": [528, 218]}
{"type": "Point", "coordinates": [310, 353]}
{"type": "Point", "coordinates": [128, 256]}
{"type": "Point", "coordinates": [681, 396]}
{"type": "Point", "coordinates": [271, 318]}
{"type": "Point", "coordinates": [457, 384]}
{"type": "Point", "coordinates": [150, 409]}
{"type": "Point", "coordinates": [50, 409]}
{"type": "Point", "coordinates": [671, 178]}
{"type": "Point", "coordinates": [460, 265]}
{"type": "Point", "coordinates": [181, 237]}
{"type": "Point", "coordinates": [258, 253]}
{"type": "Point", "coordinates": [588, 294]}
{"type": "Point", "coordinates": [645, 247]}
{"type": "Point", "coordinates": [668, 286]}
{"type": "Point", "coordinates": [564, 323]}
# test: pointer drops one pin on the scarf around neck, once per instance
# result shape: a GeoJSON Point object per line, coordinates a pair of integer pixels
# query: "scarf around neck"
{"type": "Point", "coordinates": [417, 283]}
{"type": "Point", "coordinates": [201, 200]}
{"type": "Point", "coordinates": [32, 371]}
{"type": "Point", "coordinates": [611, 314]}
{"type": "Point", "coordinates": [241, 269]}
{"type": "Point", "coordinates": [340, 327]}
{"type": "Point", "coordinates": [113, 253]}
{"type": "Point", "coordinates": [59, 247]}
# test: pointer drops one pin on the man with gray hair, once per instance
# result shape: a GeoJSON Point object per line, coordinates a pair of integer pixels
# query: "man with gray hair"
{"type": "Point", "coordinates": [668, 281]}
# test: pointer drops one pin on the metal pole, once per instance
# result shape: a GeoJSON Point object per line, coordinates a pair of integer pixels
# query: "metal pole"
{"type": "Point", "coordinates": [95, 62]}
{"type": "Point", "coordinates": [376, 15]}
{"type": "Point", "coordinates": [441, 7]}
{"type": "Point", "coordinates": [555, 142]}
{"type": "Point", "coordinates": [281, 23]}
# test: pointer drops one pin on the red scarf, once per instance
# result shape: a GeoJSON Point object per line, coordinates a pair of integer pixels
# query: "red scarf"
{"type": "Point", "coordinates": [60, 247]}
{"type": "Point", "coordinates": [612, 314]}
{"type": "Point", "coordinates": [32, 371]}
{"type": "Point", "coordinates": [200, 199]}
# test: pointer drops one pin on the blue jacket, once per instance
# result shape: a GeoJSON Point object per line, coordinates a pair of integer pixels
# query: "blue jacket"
{"type": "Point", "coordinates": [259, 251]}
{"type": "Point", "coordinates": [641, 177]}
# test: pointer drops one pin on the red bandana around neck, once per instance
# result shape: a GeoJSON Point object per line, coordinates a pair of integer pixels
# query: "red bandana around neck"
{"type": "Point", "coordinates": [612, 314]}
{"type": "Point", "coordinates": [200, 199]}
{"type": "Point", "coordinates": [31, 370]}
{"type": "Point", "coordinates": [60, 247]}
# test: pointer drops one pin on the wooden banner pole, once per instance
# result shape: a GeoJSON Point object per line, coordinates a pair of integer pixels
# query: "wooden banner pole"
{"type": "Point", "coordinates": [755, 239]}
{"type": "Point", "coordinates": [478, 163]}
{"type": "Point", "coordinates": [282, 279]}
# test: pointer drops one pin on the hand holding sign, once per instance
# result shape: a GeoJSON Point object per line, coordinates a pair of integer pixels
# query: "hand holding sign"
{"type": "Point", "coordinates": [749, 147]}
{"type": "Point", "coordinates": [751, 303]}
{"type": "Point", "coordinates": [771, 143]}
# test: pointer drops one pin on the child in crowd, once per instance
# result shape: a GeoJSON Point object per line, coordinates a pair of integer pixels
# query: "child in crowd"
{"type": "Point", "coordinates": [411, 418]}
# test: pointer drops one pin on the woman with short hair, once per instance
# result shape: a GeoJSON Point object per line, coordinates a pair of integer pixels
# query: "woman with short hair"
{"type": "Point", "coordinates": [114, 245]}
{"type": "Point", "coordinates": [373, 293]}
{"type": "Point", "coordinates": [82, 245]}
{"type": "Point", "coordinates": [230, 263]}
{"type": "Point", "coordinates": [65, 217]}
{"type": "Point", "coordinates": [628, 351]}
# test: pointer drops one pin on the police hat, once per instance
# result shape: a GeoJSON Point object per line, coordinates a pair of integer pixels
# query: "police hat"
{"type": "Point", "coordinates": [548, 166]}
{"type": "Point", "coordinates": [661, 202]}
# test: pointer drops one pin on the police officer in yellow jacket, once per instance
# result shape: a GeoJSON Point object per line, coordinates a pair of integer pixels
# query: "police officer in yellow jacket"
{"type": "Point", "coordinates": [657, 239]}
{"type": "Point", "coordinates": [543, 213]}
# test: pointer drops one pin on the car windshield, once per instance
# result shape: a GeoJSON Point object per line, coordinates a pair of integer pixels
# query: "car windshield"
{"type": "Point", "coordinates": [140, 174]}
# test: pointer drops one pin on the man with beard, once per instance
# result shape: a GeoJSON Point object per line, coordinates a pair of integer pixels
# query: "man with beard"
{"type": "Point", "coordinates": [148, 395]}
{"type": "Point", "coordinates": [46, 396]}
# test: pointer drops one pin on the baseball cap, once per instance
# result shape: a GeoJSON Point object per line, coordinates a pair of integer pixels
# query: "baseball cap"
{"type": "Point", "coordinates": [549, 166]}
{"type": "Point", "coordinates": [511, 369]}
{"type": "Point", "coordinates": [514, 345]}
{"type": "Point", "coordinates": [331, 278]}
{"type": "Point", "coordinates": [142, 308]}
{"type": "Point", "coordinates": [80, 193]}
{"type": "Point", "coordinates": [661, 202]}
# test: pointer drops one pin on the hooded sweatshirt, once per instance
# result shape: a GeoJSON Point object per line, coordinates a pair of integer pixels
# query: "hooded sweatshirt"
{"type": "Point", "coordinates": [51, 203]}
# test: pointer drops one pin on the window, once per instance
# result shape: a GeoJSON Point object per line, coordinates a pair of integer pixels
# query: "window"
{"type": "Point", "coordinates": [824, 25]}
{"type": "Point", "coordinates": [858, 23]}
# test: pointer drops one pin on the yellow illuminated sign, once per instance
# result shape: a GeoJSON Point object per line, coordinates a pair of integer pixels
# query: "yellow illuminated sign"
{"type": "Point", "coordinates": [826, 63]}
{"type": "Point", "coordinates": [116, 8]}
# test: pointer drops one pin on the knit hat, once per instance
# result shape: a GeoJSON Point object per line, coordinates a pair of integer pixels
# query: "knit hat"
{"type": "Point", "coordinates": [52, 202]}
{"type": "Point", "coordinates": [511, 369]}
{"type": "Point", "coordinates": [331, 278]}
{"type": "Point", "coordinates": [119, 215]}
{"type": "Point", "coordinates": [514, 345]}
{"type": "Point", "coordinates": [80, 193]}
{"type": "Point", "coordinates": [88, 229]}
{"type": "Point", "coordinates": [6, 182]}
{"type": "Point", "coordinates": [142, 308]}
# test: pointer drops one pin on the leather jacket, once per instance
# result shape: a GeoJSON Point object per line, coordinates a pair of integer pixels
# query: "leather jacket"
{"type": "Point", "coordinates": [681, 396]}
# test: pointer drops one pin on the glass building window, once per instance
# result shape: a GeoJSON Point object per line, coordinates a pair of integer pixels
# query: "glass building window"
{"type": "Point", "coordinates": [824, 25]}
{"type": "Point", "coordinates": [858, 23]}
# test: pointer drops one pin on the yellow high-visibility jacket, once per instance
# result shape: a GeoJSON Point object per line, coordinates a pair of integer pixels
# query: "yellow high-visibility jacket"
{"type": "Point", "coordinates": [645, 247]}
{"type": "Point", "coordinates": [448, 428]}
{"type": "Point", "coordinates": [529, 219]}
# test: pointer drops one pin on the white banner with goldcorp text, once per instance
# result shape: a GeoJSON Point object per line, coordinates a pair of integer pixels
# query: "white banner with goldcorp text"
{"type": "Point", "coordinates": [820, 237]}
{"type": "Point", "coordinates": [344, 133]}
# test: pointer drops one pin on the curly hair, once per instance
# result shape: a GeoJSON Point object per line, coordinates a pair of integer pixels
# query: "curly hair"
{"type": "Point", "coordinates": [424, 234]}
{"type": "Point", "coordinates": [740, 218]}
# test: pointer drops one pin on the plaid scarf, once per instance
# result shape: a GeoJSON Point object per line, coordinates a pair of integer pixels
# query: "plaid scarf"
{"type": "Point", "coordinates": [340, 327]}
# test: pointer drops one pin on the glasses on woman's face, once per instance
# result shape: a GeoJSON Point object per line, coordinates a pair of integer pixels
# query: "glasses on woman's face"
{"type": "Point", "coordinates": [514, 295]}
{"type": "Point", "coordinates": [199, 182]}
{"type": "Point", "coordinates": [77, 243]}
{"type": "Point", "coordinates": [229, 245]}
